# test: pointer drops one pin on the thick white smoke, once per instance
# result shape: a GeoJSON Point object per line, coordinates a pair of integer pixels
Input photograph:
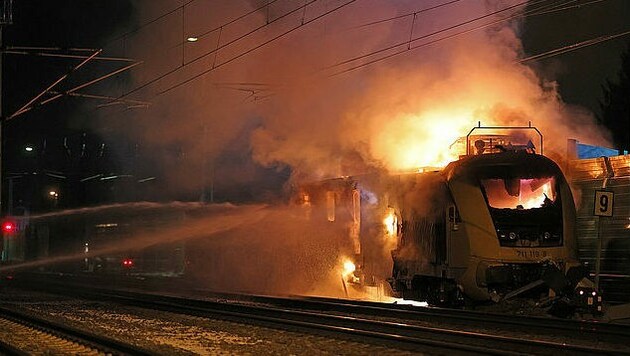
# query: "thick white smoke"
{"type": "Point", "coordinates": [406, 111]}
{"type": "Point", "coordinates": [290, 103]}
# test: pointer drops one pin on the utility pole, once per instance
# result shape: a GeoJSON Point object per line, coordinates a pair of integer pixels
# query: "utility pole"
{"type": "Point", "coordinates": [1, 113]}
{"type": "Point", "coordinates": [6, 18]}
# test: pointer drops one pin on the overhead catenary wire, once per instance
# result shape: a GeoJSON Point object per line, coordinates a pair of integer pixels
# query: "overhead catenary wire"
{"type": "Point", "coordinates": [26, 50]}
{"type": "Point", "coordinates": [398, 17]}
{"type": "Point", "coordinates": [545, 9]}
{"type": "Point", "coordinates": [234, 20]}
{"type": "Point", "coordinates": [62, 78]}
{"type": "Point", "coordinates": [148, 23]}
{"type": "Point", "coordinates": [103, 97]}
{"type": "Point", "coordinates": [41, 51]}
{"type": "Point", "coordinates": [57, 95]}
{"type": "Point", "coordinates": [569, 7]}
{"type": "Point", "coordinates": [9, 50]}
{"type": "Point", "coordinates": [307, 3]}
{"type": "Point", "coordinates": [573, 47]}
{"type": "Point", "coordinates": [273, 39]}
{"type": "Point", "coordinates": [303, 23]}
{"type": "Point", "coordinates": [218, 48]}
{"type": "Point", "coordinates": [303, 7]}
{"type": "Point", "coordinates": [365, 64]}
{"type": "Point", "coordinates": [533, 12]}
{"type": "Point", "coordinates": [434, 33]}
{"type": "Point", "coordinates": [93, 81]}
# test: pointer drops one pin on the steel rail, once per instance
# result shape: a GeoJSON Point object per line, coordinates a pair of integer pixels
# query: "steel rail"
{"type": "Point", "coordinates": [401, 334]}
{"type": "Point", "coordinates": [557, 326]}
{"type": "Point", "coordinates": [586, 329]}
{"type": "Point", "coordinates": [98, 342]}
{"type": "Point", "coordinates": [567, 326]}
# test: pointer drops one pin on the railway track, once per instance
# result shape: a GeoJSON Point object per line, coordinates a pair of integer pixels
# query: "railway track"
{"type": "Point", "coordinates": [24, 334]}
{"type": "Point", "coordinates": [366, 322]}
{"type": "Point", "coordinates": [559, 327]}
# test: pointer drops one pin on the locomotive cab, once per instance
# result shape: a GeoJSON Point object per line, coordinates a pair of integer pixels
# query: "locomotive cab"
{"type": "Point", "coordinates": [518, 215]}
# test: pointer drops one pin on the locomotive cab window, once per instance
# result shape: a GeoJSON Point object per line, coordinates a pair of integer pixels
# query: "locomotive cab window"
{"type": "Point", "coordinates": [520, 194]}
{"type": "Point", "coordinates": [526, 211]}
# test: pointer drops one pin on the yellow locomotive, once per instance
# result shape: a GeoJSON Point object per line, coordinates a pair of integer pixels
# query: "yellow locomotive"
{"type": "Point", "coordinates": [497, 223]}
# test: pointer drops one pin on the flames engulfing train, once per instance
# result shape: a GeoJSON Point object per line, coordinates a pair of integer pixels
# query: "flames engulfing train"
{"type": "Point", "coordinates": [497, 223]}
{"type": "Point", "coordinates": [489, 226]}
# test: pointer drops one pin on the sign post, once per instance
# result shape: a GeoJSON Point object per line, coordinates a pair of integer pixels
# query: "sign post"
{"type": "Point", "coordinates": [603, 207]}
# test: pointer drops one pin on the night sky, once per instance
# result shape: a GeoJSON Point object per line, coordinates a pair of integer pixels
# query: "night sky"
{"type": "Point", "coordinates": [97, 24]}
{"type": "Point", "coordinates": [581, 73]}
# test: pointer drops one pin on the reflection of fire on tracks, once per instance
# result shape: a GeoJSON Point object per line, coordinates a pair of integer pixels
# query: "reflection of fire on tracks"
{"type": "Point", "coordinates": [496, 224]}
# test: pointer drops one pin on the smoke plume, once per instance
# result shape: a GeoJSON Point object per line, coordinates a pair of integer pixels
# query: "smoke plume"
{"type": "Point", "coordinates": [324, 89]}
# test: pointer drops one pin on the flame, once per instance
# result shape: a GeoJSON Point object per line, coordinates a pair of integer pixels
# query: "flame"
{"type": "Point", "coordinates": [414, 141]}
{"type": "Point", "coordinates": [348, 268]}
{"type": "Point", "coordinates": [537, 198]}
{"type": "Point", "coordinates": [391, 223]}
{"type": "Point", "coordinates": [347, 271]}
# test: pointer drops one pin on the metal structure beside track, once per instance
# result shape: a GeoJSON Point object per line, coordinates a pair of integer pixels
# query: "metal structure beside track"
{"type": "Point", "coordinates": [612, 174]}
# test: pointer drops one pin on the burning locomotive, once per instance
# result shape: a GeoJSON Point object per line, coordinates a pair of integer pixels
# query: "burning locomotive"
{"type": "Point", "coordinates": [496, 223]}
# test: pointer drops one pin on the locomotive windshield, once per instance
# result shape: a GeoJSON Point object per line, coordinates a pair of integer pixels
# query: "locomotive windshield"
{"type": "Point", "coordinates": [527, 212]}
{"type": "Point", "coordinates": [520, 194]}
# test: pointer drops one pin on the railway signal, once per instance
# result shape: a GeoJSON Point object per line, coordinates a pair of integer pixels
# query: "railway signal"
{"type": "Point", "coordinates": [8, 227]}
{"type": "Point", "coordinates": [127, 263]}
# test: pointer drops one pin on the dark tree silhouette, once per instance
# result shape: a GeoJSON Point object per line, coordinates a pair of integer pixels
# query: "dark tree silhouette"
{"type": "Point", "coordinates": [615, 107]}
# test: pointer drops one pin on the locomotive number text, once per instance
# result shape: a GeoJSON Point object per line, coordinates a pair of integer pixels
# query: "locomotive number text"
{"type": "Point", "coordinates": [531, 253]}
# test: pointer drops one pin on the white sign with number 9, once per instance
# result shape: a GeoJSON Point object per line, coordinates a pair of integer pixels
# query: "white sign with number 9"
{"type": "Point", "coordinates": [603, 203]}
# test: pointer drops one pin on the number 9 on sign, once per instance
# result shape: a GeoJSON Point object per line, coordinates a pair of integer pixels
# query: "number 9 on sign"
{"type": "Point", "coordinates": [603, 203]}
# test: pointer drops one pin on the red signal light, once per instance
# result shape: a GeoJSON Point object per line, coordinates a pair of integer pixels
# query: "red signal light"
{"type": "Point", "coordinates": [8, 227]}
{"type": "Point", "coordinates": [127, 262]}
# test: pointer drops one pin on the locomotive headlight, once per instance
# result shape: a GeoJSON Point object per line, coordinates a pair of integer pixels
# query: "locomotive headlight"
{"type": "Point", "coordinates": [512, 236]}
{"type": "Point", "coordinates": [547, 235]}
